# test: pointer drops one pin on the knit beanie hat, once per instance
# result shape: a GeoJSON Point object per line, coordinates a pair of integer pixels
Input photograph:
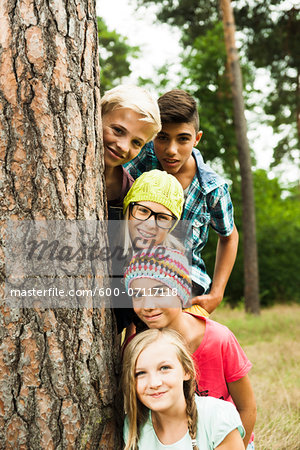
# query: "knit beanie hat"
{"type": "Point", "coordinates": [157, 186]}
{"type": "Point", "coordinates": [167, 265]}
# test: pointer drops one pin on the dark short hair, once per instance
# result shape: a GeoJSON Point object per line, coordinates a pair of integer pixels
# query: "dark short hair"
{"type": "Point", "coordinates": [177, 106]}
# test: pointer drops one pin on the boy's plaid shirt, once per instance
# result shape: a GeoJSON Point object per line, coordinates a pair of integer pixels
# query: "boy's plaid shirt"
{"type": "Point", "coordinates": [207, 203]}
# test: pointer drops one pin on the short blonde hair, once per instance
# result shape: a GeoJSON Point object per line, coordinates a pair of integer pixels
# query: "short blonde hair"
{"type": "Point", "coordinates": [137, 413]}
{"type": "Point", "coordinates": [136, 98]}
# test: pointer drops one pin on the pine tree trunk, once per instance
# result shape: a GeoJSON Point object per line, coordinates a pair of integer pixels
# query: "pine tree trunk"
{"type": "Point", "coordinates": [251, 289]}
{"type": "Point", "coordinates": [57, 366]}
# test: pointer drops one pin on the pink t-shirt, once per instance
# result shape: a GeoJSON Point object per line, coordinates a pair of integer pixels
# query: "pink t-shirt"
{"type": "Point", "coordinates": [219, 360]}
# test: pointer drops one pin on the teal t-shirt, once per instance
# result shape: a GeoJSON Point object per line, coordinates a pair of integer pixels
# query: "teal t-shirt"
{"type": "Point", "coordinates": [216, 419]}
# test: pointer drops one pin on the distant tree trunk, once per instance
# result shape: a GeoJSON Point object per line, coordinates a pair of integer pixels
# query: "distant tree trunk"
{"type": "Point", "coordinates": [298, 104]}
{"type": "Point", "coordinates": [57, 366]}
{"type": "Point", "coordinates": [251, 289]}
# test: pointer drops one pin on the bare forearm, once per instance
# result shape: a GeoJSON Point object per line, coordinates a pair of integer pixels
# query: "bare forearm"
{"type": "Point", "coordinates": [248, 418]}
{"type": "Point", "coordinates": [225, 258]}
{"type": "Point", "coordinates": [243, 396]}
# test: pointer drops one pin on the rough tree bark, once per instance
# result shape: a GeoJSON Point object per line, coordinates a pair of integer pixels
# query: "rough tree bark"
{"type": "Point", "coordinates": [251, 289]}
{"type": "Point", "coordinates": [57, 366]}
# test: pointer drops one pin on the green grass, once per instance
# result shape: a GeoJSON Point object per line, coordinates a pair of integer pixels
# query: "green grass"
{"type": "Point", "coordinates": [272, 343]}
{"type": "Point", "coordinates": [273, 323]}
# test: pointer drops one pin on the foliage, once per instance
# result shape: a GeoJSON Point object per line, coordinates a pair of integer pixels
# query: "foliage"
{"type": "Point", "coordinates": [204, 75]}
{"type": "Point", "coordinates": [193, 17]}
{"type": "Point", "coordinates": [115, 54]}
{"type": "Point", "coordinates": [278, 237]}
{"type": "Point", "coordinates": [161, 82]}
{"type": "Point", "coordinates": [272, 36]}
{"type": "Point", "coordinates": [278, 242]}
{"type": "Point", "coordinates": [207, 81]}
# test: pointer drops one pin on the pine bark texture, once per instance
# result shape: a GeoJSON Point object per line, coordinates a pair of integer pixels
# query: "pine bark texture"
{"type": "Point", "coordinates": [57, 366]}
{"type": "Point", "coordinates": [251, 289]}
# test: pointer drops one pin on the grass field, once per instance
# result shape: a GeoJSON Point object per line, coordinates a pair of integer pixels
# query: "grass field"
{"type": "Point", "coordinates": [272, 343]}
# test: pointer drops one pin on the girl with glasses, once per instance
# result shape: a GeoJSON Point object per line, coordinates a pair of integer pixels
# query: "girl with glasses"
{"type": "Point", "coordinates": [152, 209]}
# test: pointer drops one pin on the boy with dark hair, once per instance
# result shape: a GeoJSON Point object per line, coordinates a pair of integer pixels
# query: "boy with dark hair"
{"type": "Point", "coordinates": [169, 112]}
{"type": "Point", "coordinates": [207, 199]}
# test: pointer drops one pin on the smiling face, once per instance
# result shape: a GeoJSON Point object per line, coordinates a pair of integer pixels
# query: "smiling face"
{"type": "Point", "coordinates": [159, 377]}
{"type": "Point", "coordinates": [146, 233]}
{"type": "Point", "coordinates": [124, 134]}
{"type": "Point", "coordinates": [173, 146]}
{"type": "Point", "coordinates": [155, 303]}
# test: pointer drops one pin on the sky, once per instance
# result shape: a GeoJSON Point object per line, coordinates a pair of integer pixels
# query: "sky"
{"type": "Point", "coordinates": [159, 44]}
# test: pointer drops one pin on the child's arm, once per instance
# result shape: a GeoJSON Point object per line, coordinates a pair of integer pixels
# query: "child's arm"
{"type": "Point", "coordinates": [232, 441]}
{"type": "Point", "coordinates": [242, 394]}
{"type": "Point", "coordinates": [225, 258]}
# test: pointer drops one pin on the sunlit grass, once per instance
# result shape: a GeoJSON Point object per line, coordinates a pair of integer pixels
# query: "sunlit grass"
{"type": "Point", "coordinates": [272, 343]}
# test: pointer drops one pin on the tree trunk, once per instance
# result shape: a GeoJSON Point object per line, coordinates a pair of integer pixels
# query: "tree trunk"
{"type": "Point", "coordinates": [298, 105]}
{"type": "Point", "coordinates": [251, 289]}
{"type": "Point", "coordinates": [57, 365]}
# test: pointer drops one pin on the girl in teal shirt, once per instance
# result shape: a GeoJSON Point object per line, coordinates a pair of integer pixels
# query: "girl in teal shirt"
{"type": "Point", "coordinates": [162, 409]}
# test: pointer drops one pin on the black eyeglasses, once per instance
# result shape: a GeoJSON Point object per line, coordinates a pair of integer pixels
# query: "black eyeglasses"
{"type": "Point", "coordinates": [162, 220]}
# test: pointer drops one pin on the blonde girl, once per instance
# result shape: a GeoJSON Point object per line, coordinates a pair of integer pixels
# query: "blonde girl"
{"type": "Point", "coordinates": [163, 412]}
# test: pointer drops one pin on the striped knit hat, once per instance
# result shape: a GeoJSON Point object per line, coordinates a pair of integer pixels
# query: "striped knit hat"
{"type": "Point", "coordinates": [167, 265]}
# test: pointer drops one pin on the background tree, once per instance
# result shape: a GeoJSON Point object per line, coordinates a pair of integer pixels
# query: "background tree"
{"type": "Point", "coordinates": [193, 17]}
{"type": "Point", "coordinates": [271, 35]}
{"type": "Point", "coordinates": [278, 243]}
{"type": "Point", "coordinates": [251, 290]}
{"type": "Point", "coordinates": [207, 80]}
{"type": "Point", "coordinates": [210, 73]}
{"type": "Point", "coordinates": [270, 39]}
{"type": "Point", "coordinates": [57, 367]}
{"type": "Point", "coordinates": [203, 74]}
{"type": "Point", "coordinates": [115, 55]}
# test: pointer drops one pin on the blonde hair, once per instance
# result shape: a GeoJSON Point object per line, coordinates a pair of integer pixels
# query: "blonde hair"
{"type": "Point", "coordinates": [136, 412]}
{"type": "Point", "coordinates": [136, 98]}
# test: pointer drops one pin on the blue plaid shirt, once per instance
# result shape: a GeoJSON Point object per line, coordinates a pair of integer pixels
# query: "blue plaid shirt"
{"type": "Point", "coordinates": [207, 203]}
